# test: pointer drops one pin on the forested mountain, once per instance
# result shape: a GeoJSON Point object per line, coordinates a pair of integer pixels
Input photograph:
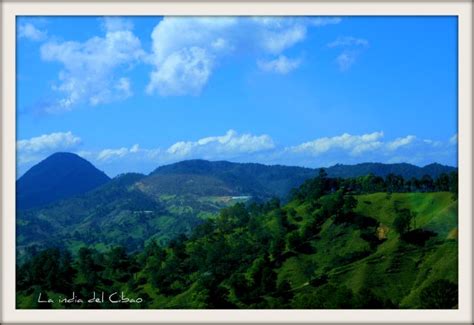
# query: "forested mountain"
{"type": "Point", "coordinates": [61, 175]}
{"type": "Point", "coordinates": [228, 178]}
{"type": "Point", "coordinates": [405, 170]}
{"type": "Point", "coordinates": [133, 209]}
{"type": "Point", "coordinates": [337, 243]}
{"type": "Point", "coordinates": [116, 213]}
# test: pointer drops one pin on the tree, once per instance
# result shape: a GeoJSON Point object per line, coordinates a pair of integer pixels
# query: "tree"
{"type": "Point", "coordinates": [284, 293]}
{"type": "Point", "coordinates": [313, 189]}
{"type": "Point", "coordinates": [402, 221]}
{"type": "Point", "coordinates": [442, 182]}
{"type": "Point", "coordinates": [294, 241]}
{"type": "Point", "coordinates": [441, 294]}
{"type": "Point", "coordinates": [89, 270]}
{"type": "Point", "coordinates": [350, 203]}
{"type": "Point", "coordinates": [395, 183]}
{"type": "Point", "coordinates": [118, 265]}
{"type": "Point", "coordinates": [345, 208]}
{"type": "Point", "coordinates": [66, 273]}
{"type": "Point", "coordinates": [371, 183]}
{"type": "Point", "coordinates": [426, 183]}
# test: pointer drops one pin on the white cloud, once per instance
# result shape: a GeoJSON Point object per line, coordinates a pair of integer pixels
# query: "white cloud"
{"type": "Point", "coordinates": [107, 154]}
{"type": "Point", "coordinates": [354, 144]}
{"type": "Point", "coordinates": [135, 152]}
{"type": "Point", "coordinates": [184, 52]}
{"type": "Point", "coordinates": [89, 68]}
{"type": "Point", "coordinates": [86, 154]}
{"type": "Point", "coordinates": [123, 86]}
{"type": "Point", "coordinates": [349, 41]}
{"type": "Point", "coordinates": [113, 24]}
{"type": "Point", "coordinates": [135, 148]}
{"type": "Point", "coordinates": [187, 50]}
{"type": "Point", "coordinates": [230, 144]}
{"type": "Point", "coordinates": [29, 31]}
{"type": "Point", "coordinates": [281, 65]}
{"type": "Point", "coordinates": [52, 141]}
{"type": "Point", "coordinates": [345, 60]}
{"type": "Point", "coordinates": [352, 48]}
{"type": "Point", "coordinates": [352, 149]}
{"type": "Point", "coordinates": [434, 143]}
{"type": "Point", "coordinates": [276, 40]}
{"type": "Point", "coordinates": [36, 148]}
{"type": "Point", "coordinates": [400, 142]}
{"type": "Point", "coordinates": [181, 73]}
{"type": "Point", "coordinates": [277, 34]}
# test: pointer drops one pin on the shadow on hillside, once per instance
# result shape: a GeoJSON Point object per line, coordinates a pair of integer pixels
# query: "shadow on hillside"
{"type": "Point", "coordinates": [418, 237]}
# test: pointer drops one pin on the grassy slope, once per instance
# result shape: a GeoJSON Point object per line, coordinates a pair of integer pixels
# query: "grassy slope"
{"type": "Point", "coordinates": [395, 269]}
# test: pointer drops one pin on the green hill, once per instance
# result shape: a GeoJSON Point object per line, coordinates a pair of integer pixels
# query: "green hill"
{"type": "Point", "coordinates": [129, 211]}
{"type": "Point", "coordinates": [394, 269]}
{"type": "Point", "coordinates": [333, 245]}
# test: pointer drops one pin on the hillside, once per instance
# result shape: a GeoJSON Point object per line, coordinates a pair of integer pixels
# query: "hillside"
{"type": "Point", "coordinates": [330, 246]}
{"type": "Point", "coordinates": [60, 176]}
{"type": "Point", "coordinates": [223, 178]}
{"type": "Point", "coordinates": [132, 209]}
{"type": "Point", "coordinates": [388, 266]}
{"type": "Point", "coordinates": [116, 213]}
{"type": "Point", "coordinates": [228, 178]}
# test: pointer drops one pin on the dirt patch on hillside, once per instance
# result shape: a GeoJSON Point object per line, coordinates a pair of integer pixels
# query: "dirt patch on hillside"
{"type": "Point", "coordinates": [382, 231]}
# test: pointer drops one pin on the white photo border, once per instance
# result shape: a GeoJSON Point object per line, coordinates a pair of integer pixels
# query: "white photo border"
{"type": "Point", "coordinates": [11, 9]}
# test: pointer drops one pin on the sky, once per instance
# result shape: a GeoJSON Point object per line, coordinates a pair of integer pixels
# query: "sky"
{"type": "Point", "coordinates": [132, 93]}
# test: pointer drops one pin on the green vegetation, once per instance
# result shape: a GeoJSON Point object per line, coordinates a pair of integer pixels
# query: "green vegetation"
{"type": "Point", "coordinates": [117, 214]}
{"type": "Point", "coordinates": [366, 242]}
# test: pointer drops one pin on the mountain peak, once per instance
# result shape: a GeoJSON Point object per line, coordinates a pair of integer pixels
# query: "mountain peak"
{"type": "Point", "coordinates": [59, 176]}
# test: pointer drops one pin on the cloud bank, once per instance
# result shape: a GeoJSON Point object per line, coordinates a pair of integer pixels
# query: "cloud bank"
{"type": "Point", "coordinates": [247, 147]}
{"type": "Point", "coordinates": [38, 148]}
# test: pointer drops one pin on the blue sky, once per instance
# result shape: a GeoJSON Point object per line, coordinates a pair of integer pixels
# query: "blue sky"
{"type": "Point", "coordinates": [133, 93]}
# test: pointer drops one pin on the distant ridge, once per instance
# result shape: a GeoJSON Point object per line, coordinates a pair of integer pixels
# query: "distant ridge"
{"type": "Point", "coordinates": [204, 177]}
{"type": "Point", "coordinates": [59, 176]}
{"type": "Point", "coordinates": [63, 175]}
{"type": "Point", "coordinates": [229, 178]}
{"type": "Point", "coordinates": [404, 169]}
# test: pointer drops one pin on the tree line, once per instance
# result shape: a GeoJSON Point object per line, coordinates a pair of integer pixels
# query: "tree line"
{"type": "Point", "coordinates": [371, 183]}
